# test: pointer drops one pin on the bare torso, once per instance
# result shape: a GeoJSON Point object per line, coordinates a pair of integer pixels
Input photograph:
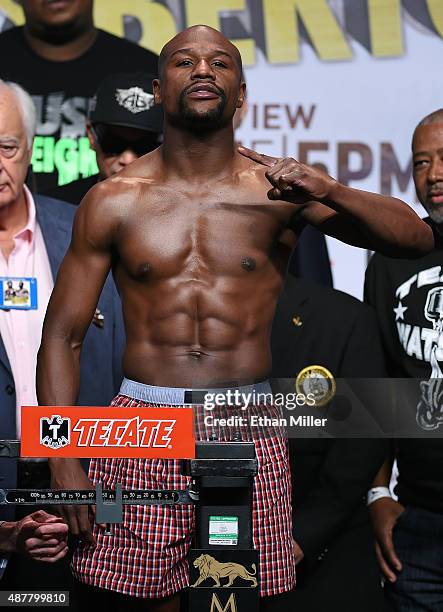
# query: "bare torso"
{"type": "Point", "coordinates": [199, 268]}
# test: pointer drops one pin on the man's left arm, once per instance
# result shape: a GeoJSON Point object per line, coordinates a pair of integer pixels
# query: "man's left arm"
{"type": "Point", "coordinates": [351, 464]}
{"type": "Point", "coordinates": [359, 218]}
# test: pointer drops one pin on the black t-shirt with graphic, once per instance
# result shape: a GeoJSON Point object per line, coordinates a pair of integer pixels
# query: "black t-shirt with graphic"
{"type": "Point", "coordinates": [408, 297]}
{"type": "Point", "coordinates": [62, 93]}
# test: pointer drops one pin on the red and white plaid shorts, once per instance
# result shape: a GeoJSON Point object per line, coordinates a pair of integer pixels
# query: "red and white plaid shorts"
{"type": "Point", "coordinates": [146, 554]}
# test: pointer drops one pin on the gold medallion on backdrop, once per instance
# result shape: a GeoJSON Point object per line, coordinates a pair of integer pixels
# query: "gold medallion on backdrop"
{"type": "Point", "coordinates": [319, 381]}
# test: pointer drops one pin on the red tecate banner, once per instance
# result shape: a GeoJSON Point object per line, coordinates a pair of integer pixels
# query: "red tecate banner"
{"type": "Point", "coordinates": [79, 431]}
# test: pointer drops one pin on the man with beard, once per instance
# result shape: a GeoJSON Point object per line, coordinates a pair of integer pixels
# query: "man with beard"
{"type": "Point", "coordinates": [59, 57]}
{"type": "Point", "coordinates": [199, 254]}
{"type": "Point", "coordinates": [408, 298]}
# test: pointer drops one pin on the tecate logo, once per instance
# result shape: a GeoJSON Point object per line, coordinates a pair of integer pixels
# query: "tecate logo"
{"type": "Point", "coordinates": [133, 433]}
{"type": "Point", "coordinates": [107, 432]}
{"type": "Point", "coordinates": [54, 431]}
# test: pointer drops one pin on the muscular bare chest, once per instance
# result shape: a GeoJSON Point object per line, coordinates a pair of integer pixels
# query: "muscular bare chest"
{"type": "Point", "coordinates": [201, 232]}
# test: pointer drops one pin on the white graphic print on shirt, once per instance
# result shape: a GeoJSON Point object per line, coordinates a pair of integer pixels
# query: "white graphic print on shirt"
{"type": "Point", "coordinates": [423, 342]}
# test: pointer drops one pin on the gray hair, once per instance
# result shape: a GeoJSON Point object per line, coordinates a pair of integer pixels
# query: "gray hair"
{"type": "Point", "coordinates": [27, 108]}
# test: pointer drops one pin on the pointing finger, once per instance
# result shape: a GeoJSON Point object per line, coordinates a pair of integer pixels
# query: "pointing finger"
{"type": "Point", "coordinates": [260, 158]}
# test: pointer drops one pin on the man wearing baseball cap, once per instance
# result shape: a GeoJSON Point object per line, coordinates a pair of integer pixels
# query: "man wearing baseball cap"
{"type": "Point", "coordinates": [123, 124]}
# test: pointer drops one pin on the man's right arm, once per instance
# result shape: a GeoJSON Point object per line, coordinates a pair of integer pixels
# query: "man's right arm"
{"type": "Point", "coordinates": [69, 314]}
{"type": "Point", "coordinates": [359, 218]}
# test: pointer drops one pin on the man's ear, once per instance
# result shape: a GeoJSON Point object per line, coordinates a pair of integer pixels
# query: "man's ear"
{"type": "Point", "coordinates": [240, 114]}
{"type": "Point", "coordinates": [157, 91]}
{"type": "Point", "coordinates": [242, 95]}
{"type": "Point", "coordinates": [90, 135]}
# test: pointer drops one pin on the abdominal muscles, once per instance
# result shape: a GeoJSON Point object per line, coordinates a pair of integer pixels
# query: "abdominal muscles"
{"type": "Point", "coordinates": [198, 333]}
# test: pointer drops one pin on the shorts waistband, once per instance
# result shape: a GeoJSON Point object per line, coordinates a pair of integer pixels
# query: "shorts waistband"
{"type": "Point", "coordinates": [177, 396]}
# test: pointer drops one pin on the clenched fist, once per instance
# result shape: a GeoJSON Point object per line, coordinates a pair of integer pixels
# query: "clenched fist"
{"type": "Point", "coordinates": [291, 180]}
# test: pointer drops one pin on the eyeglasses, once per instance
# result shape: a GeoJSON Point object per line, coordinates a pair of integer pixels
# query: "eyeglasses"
{"type": "Point", "coordinates": [113, 145]}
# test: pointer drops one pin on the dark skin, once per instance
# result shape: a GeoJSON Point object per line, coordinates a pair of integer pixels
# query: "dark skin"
{"type": "Point", "coordinates": [109, 163]}
{"type": "Point", "coordinates": [197, 245]}
{"type": "Point", "coordinates": [60, 31]}
{"type": "Point", "coordinates": [427, 156]}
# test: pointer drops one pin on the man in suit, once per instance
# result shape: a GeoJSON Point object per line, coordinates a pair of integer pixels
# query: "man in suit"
{"type": "Point", "coordinates": [34, 236]}
{"type": "Point", "coordinates": [337, 567]}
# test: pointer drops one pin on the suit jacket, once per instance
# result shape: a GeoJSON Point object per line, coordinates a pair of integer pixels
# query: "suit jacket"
{"type": "Point", "coordinates": [330, 478]}
{"type": "Point", "coordinates": [101, 372]}
{"type": "Point", "coordinates": [310, 258]}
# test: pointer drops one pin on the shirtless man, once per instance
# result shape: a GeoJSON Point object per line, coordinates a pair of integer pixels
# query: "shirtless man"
{"type": "Point", "coordinates": [198, 235]}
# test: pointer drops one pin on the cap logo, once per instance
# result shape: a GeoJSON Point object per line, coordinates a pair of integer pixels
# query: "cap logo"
{"type": "Point", "coordinates": [134, 99]}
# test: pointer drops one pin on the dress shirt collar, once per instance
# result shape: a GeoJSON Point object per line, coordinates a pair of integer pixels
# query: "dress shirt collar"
{"type": "Point", "coordinates": [28, 232]}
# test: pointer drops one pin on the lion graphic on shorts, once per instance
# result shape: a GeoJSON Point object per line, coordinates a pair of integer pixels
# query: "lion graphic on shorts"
{"type": "Point", "coordinates": [211, 568]}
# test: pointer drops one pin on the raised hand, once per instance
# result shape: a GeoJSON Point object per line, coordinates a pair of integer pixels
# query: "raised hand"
{"type": "Point", "coordinates": [291, 180]}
